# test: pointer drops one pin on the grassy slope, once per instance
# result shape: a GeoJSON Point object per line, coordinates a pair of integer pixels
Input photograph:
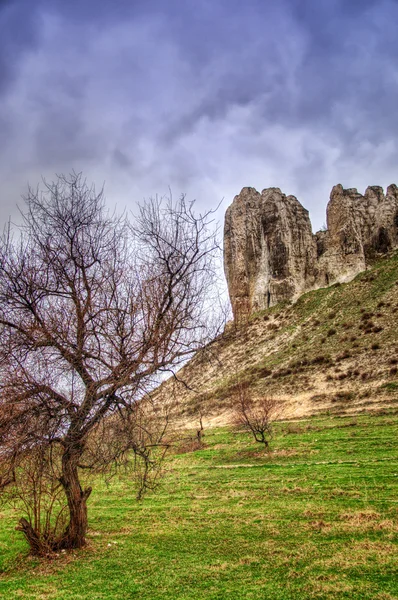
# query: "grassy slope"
{"type": "Point", "coordinates": [317, 518]}
{"type": "Point", "coordinates": [335, 350]}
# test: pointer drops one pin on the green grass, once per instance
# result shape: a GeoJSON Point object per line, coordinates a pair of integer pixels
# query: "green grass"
{"type": "Point", "coordinates": [316, 518]}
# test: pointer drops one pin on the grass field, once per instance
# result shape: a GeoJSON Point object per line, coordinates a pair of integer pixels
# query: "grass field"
{"type": "Point", "coordinates": [315, 518]}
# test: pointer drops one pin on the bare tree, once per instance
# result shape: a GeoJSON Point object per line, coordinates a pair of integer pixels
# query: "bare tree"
{"type": "Point", "coordinates": [93, 310]}
{"type": "Point", "coordinates": [254, 416]}
{"type": "Point", "coordinates": [134, 441]}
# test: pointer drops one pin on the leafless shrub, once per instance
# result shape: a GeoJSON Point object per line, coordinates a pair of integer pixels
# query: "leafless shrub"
{"type": "Point", "coordinates": [135, 440]}
{"type": "Point", "coordinates": [343, 356]}
{"type": "Point", "coordinates": [255, 417]}
{"type": "Point", "coordinates": [187, 445]}
{"type": "Point", "coordinates": [294, 428]}
{"type": "Point", "coordinates": [35, 488]}
{"type": "Point", "coordinates": [343, 396]}
{"type": "Point", "coordinates": [366, 316]}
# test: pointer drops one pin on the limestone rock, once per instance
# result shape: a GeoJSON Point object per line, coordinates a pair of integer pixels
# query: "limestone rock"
{"type": "Point", "coordinates": [271, 255]}
{"type": "Point", "coordinates": [269, 250]}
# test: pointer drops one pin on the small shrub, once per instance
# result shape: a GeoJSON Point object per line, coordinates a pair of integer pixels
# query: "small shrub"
{"type": "Point", "coordinates": [331, 332]}
{"type": "Point", "coordinates": [294, 428]}
{"type": "Point", "coordinates": [377, 329]}
{"type": "Point", "coordinates": [343, 396]}
{"type": "Point", "coordinates": [189, 445]}
{"type": "Point", "coordinates": [375, 346]}
{"type": "Point", "coordinates": [366, 316]}
{"type": "Point", "coordinates": [264, 372]}
{"type": "Point", "coordinates": [319, 360]}
{"type": "Point", "coordinates": [254, 417]}
{"type": "Point", "coordinates": [344, 355]}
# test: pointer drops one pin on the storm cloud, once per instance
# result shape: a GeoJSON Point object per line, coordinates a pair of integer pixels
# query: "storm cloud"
{"type": "Point", "coordinates": [203, 97]}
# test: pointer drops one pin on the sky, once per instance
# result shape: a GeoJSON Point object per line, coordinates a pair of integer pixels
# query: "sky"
{"type": "Point", "coordinates": [200, 97]}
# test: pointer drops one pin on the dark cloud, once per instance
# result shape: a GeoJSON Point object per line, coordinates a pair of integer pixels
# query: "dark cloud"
{"type": "Point", "coordinates": [18, 32]}
{"type": "Point", "coordinates": [204, 96]}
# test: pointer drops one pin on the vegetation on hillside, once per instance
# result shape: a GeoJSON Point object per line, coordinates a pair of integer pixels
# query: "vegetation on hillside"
{"type": "Point", "coordinates": [334, 350]}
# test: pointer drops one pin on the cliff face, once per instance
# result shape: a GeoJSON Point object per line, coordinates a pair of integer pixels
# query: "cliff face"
{"type": "Point", "coordinates": [270, 253]}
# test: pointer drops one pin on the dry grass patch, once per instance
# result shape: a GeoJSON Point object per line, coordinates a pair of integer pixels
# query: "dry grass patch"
{"type": "Point", "coordinates": [367, 520]}
{"type": "Point", "coordinates": [319, 526]}
{"type": "Point", "coordinates": [296, 490]}
{"type": "Point", "coordinates": [359, 555]}
{"type": "Point", "coordinates": [329, 586]}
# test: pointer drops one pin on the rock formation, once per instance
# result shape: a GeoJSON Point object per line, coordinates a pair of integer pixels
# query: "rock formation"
{"type": "Point", "coordinates": [271, 255]}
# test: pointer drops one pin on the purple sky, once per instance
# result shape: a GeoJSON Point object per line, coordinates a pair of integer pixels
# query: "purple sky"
{"type": "Point", "coordinates": [203, 96]}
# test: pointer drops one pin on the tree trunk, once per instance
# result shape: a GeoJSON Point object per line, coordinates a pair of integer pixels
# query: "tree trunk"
{"type": "Point", "coordinates": [75, 533]}
{"type": "Point", "coordinates": [37, 547]}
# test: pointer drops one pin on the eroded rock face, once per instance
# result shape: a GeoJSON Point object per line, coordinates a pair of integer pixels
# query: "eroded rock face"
{"type": "Point", "coordinates": [269, 249]}
{"type": "Point", "coordinates": [270, 253]}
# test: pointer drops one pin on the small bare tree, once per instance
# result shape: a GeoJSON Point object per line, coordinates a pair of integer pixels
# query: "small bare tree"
{"type": "Point", "coordinates": [254, 416]}
{"type": "Point", "coordinates": [133, 441]}
{"type": "Point", "coordinates": [94, 311]}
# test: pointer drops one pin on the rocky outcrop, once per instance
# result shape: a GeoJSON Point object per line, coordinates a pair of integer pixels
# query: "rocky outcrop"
{"type": "Point", "coordinates": [271, 255]}
{"type": "Point", "coordinates": [269, 252]}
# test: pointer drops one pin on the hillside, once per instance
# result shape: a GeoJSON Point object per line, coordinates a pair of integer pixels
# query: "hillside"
{"type": "Point", "coordinates": [334, 351]}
